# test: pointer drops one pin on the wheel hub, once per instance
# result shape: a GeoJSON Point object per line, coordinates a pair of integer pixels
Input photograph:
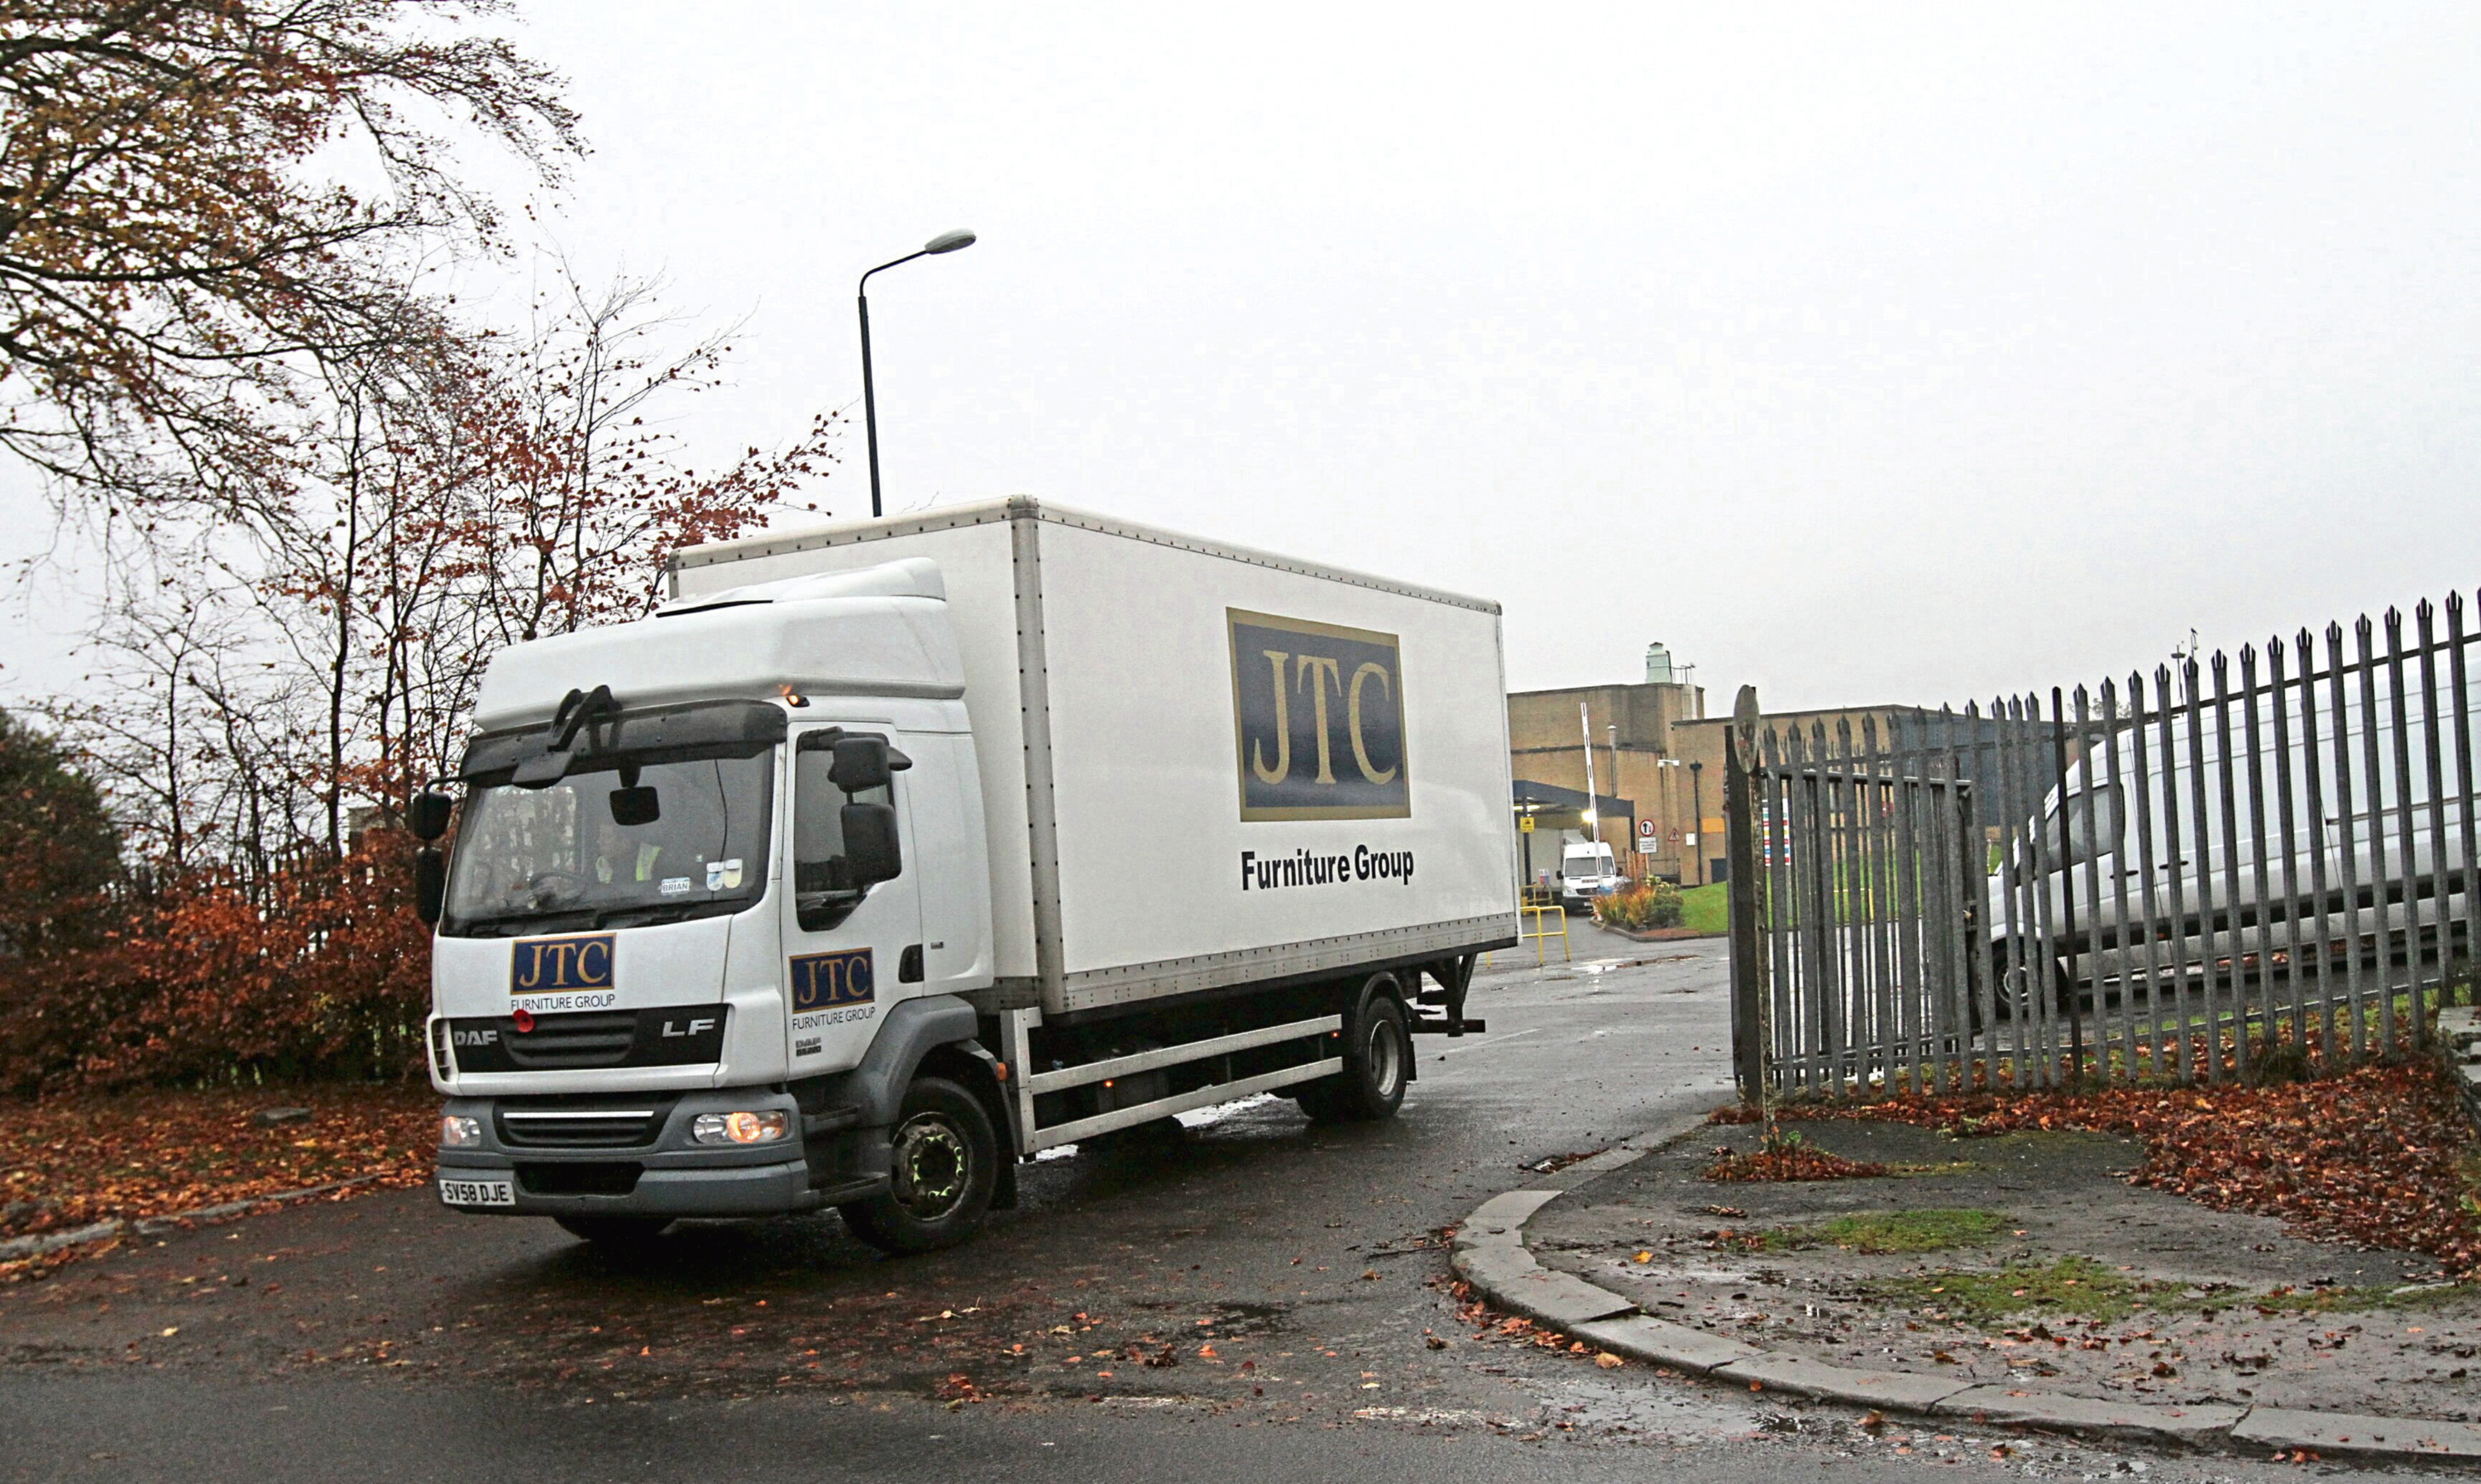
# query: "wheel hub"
{"type": "Point", "coordinates": [931, 1165]}
{"type": "Point", "coordinates": [1384, 1059]}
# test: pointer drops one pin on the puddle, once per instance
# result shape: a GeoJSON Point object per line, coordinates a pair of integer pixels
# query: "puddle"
{"type": "Point", "coordinates": [1208, 1117]}
{"type": "Point", "coordinates": [1670, 1411]}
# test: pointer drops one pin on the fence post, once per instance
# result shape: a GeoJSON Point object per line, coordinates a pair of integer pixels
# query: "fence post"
{"type": "Point", "coordinates": [2067, 944]}
{"type": "Point", "coordinates": [1748, 943]}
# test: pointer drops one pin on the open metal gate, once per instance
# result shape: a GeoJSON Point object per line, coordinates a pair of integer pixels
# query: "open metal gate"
{"type": "Point", "coordinates": [1862, 859]}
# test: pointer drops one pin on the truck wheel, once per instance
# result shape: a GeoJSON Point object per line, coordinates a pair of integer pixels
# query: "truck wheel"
{"type": "Point", "coordinates": [943, 1165]}
{"type": "Point", "coordinates": [1379, 1052]}
{"type": "Point", "coordinates": [617, 1233]}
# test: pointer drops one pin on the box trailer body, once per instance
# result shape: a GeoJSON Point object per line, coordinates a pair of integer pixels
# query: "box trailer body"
{"type": "Point", "coordinates": [1100, 665]}
{"type": "Point", "coordinates": [1095, 821]}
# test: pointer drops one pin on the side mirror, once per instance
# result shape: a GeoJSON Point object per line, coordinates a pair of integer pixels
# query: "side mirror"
{"type": "Point", "coordinates": [864, 763]}
{"type": "Point", "coordinates": [427, 815]}
{"type": "Point", "coordinates": [634, 807]}
{"type": "Point", "coordinates": [430, 883]}
{"type": "Point", "coordinates": [871, 853]}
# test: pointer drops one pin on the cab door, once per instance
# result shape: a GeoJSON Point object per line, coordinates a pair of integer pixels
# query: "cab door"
{"type": "Point", "coordinates": [853, 927]}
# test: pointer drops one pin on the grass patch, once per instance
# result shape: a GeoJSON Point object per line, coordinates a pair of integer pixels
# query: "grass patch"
{"type": "Point", "coordinates": [1881, 1232]}
{"type": "Point", "coordinates": [1933, 1171]}
{"type": "Point", "coordinates": [1910, 1230]}
{"type": "Point", "coordinates": [1707, 909]}
{"type": "Point", "coordinates": [2082, 1289]}
{"type": "Point", "coordinates": [2341, 1299]}
{"type": "Point", "coordinates": [2079, 1287]}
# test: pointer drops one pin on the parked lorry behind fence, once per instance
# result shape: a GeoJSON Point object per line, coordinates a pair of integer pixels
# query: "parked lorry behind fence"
{"type": "Point", "coordinates": [891, 854]}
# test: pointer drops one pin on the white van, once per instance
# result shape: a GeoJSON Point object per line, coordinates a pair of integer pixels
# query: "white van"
{"type": "Point", "coordinates": [2301, 857]}
{"type": "Point", "coordinates": [1586, 871]}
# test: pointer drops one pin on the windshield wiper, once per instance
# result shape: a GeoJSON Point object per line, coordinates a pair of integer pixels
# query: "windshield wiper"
{"type": "Point", "coordinates": [510, 925]}
{"type": "Point", "coordinates": [648, 914]}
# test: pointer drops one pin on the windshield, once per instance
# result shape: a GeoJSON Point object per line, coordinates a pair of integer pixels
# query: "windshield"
{"type": "Point", "coordinates": [682, 837]}
{"type": "Point", "coordinates": [1595, 863]}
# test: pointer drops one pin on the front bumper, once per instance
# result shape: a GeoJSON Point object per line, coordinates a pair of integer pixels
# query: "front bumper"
{"type": "Point", "coordinates": [650, 1167]}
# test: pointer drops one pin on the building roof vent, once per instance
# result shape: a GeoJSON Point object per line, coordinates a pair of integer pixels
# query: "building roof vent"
{"type": "Point", "coordinates": [1658, 666]}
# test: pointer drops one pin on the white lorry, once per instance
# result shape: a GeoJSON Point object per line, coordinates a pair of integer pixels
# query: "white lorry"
{"type": "Point", "coordinates": [889, 854]}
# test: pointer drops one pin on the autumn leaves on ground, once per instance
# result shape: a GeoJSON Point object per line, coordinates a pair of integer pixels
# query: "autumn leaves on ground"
{"type": "Point", "coordinates": [2378, 1155]}
{"type": "Point", "coordinates": [71, 1162]}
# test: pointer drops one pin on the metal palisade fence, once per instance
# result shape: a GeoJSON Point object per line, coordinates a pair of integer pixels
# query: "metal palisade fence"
{"type": "Point", "coordinates": [2225, 869]}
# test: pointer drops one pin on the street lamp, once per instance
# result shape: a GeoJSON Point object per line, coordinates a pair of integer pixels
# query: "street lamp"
{"type": "Point", "coordinates": [945, 241]}
{"type": "Point", "coordinates": [1670, 805]}
{"type": "Point", "coordinates": [1697, 802]}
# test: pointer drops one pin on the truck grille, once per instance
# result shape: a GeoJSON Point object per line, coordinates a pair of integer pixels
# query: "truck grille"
{"type": "Point", "coordinates": [584, 1128]}
{"type": "Point", "coordinates": [673, 1035]}
{"type": "Point", "coordinates": [572, 1041]}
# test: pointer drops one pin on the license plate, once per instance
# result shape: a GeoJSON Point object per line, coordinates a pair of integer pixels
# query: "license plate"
{"type": "Point", "coordinates": [477, 1192]}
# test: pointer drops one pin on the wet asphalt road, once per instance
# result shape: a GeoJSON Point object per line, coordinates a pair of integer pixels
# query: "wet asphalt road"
{"type": "Point", "coordinates": [1260, 1299]}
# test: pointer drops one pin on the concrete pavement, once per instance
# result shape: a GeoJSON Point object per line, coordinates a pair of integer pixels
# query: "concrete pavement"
{"type": "Point", "coordinates": [2015, 1280]}
{"type": "Point", "coordinates": [383, 1337]}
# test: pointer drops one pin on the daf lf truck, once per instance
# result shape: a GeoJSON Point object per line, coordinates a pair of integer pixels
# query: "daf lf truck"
{"type": "Point", "coordinates": [886, 855]}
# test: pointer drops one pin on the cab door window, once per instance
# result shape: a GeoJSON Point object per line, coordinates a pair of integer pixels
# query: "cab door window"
{"type": "Point", "coordinates": [845, 838]}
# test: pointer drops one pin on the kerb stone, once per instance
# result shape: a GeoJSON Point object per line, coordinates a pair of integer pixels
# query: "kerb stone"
{"type": "Point", "coordinates": [2058, 1413]}
{"type": "Point", "coordinates": [1661, 1342]}
{"type": "Point", "coordinates": [1561, 1300]}
{"type": "Point", "coordinates": [2344, 1432]}
{"type": "Point", "coordinates": [1901, 1390]}
{"type": "Point", "coordinates": [1495, 1267]}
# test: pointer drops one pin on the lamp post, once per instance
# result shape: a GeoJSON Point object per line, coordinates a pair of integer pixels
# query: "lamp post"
{"type": "Point", "coordinates": [1593, 804]}
{"type": "Point", "coordinates": [1613, 732]}
{"type": "Point", "coordinates": [1697, 802]}
{"type": "Point", "coordinates": [945, 241]}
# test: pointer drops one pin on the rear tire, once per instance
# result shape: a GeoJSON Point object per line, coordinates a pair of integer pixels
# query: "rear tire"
{"type": "Point", "coordinates": [944, 1166]}
{"type": "Point", "coordinates": [617, 1234]}
{"type": "Point", "coordinates": [1377, 1058]}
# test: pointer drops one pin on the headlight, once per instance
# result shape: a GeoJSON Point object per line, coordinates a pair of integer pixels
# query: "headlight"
{"type": "Point", "coordinates": [458, 1131]}
{"type": "Point", "coordinates": [743, 1128]}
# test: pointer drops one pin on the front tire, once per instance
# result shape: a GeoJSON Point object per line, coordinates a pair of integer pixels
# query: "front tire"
{"type": "Point", "coordinates": [1378, 1063]}
{"type": "Point", "coordinates": [943, 1167]}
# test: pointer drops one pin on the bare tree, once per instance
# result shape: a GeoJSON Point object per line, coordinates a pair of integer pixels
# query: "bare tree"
{"type": "Point", "coordinates": [271, 669]}
{"type": "Point", "coordinates": [171, 245]}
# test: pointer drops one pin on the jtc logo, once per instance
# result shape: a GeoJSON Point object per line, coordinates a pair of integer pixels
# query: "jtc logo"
{"type": "Point", "coordinates": [1317, 721]}
{"type": "Point", "coordinates": [542, 966]}
{"type": "Point", "coordinates": [821, 982]}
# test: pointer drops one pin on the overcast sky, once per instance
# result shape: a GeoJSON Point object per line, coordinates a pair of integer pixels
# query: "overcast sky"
{"type": "Point", "coordinates": [1864, 353]}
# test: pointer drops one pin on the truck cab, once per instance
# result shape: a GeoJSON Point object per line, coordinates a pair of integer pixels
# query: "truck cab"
{"type": "Point", "coordinates": [700, 952]}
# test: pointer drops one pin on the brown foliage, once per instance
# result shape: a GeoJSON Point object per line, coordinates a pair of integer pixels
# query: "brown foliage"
{"type": "Point", "coordinates": [315, 971]}
{"type": "Point", "coordinates": [1789, 1161]}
